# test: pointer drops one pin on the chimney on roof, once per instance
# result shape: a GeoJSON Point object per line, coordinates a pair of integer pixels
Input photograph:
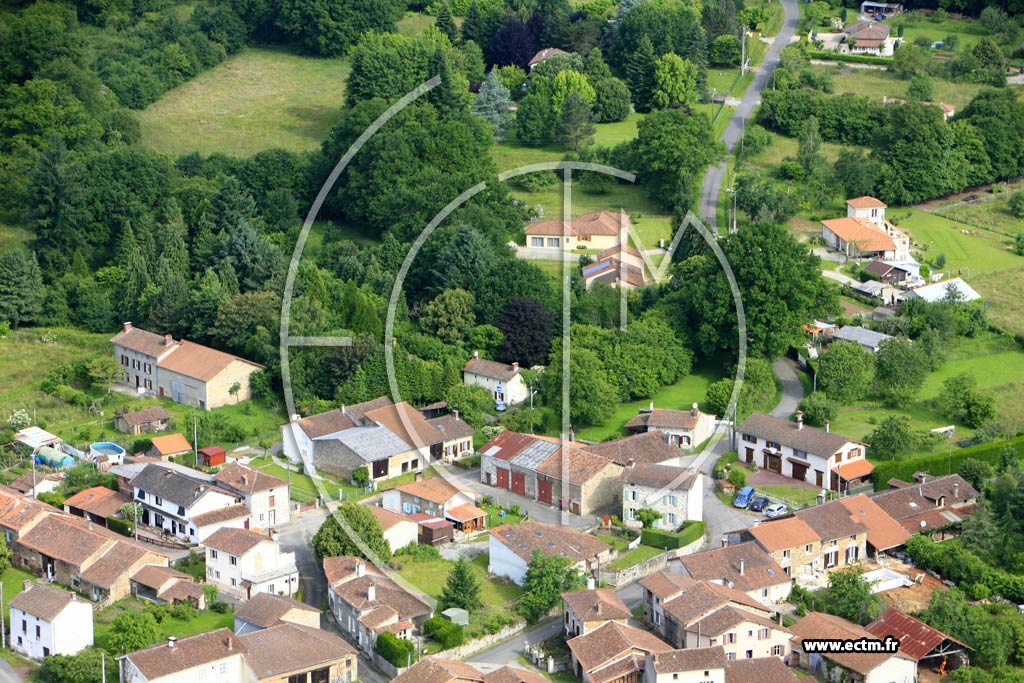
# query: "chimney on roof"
{"type": "Point", "coordinates": [168, 340]}
{"type": "Point", "coordinates": [921, 477]}
{"type": "Point", "coordinates": [695, 409]}
{"type": "Point", "coordinates": [418, 476]}
{"type": "Point", "coordinates": [828, 427]}
{"type": "Point", "coordinates": [26, 585]}
{"type": "Point", "coordinates": [652, 405]}
{"type": "Point", "coordinates": [170, 642]}
{"type": "Point", "coordinates": [127, 326]}
{"type": "Point", "coordinates": [515, 366]}
{"type": "Point", "coordinates": [230, 644]}
{"type": "Point", "coordinates": [245, 480]}
{"type": "Point", "coordinates": [742, 567]}
{"type": "Point", "coordinates": [778, 618]}
{"type": "Point", "coordinates": [456, 414]}
{"type": "Point", "coordinates": [799, 419]}
{"type": "Point", "coordinates": [371, 592]}
{"type": "Point", "coordinates": [343, 410]}
{"type": "Point", "coordinates": [725, 542]}
{"type": "Point", "coordinates": [956, 489]}
{"type": "Point", "coordinates": [476, 354]}
{"type": "Point", "coordinates": [360, 569]}
{"type": "Point", "coordinates": [597, 609]}
{"type": "Point", "coordinates": [590, 583]}
{"type": "Point", "coordinates": [631, 462]}
{"type": "Point", "coordinates": [88, 523]}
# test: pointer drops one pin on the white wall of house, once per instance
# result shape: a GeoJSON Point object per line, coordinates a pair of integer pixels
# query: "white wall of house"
{"type": "Point", "coordinates": [137, 369]}
{"type": "Point", "coordinates": [513, 391]}
{"type": "Point", "coordinates": [699, 676]}
{"type": "Point", "coordinates": [504, 562]}
{"type": "Point", "coordinates": [743, 639]}
{"type": "Point", "coordinates": [204, 532]}
{"type": "Point", "coordinates": [68, 633]}
{"type": "Point", "coordinates": [182, 389]}
{"type": "Point", "coordinates": [850, 452]}
{"type": "Point", "coordinates": [230, 669]}
{"type": "Point", "coordinates": [894, 670]}
{"type": "Point", "coordinates": [264, 560]}
{"type": "Point", "coordinates": [177, 519]}
{"type": "Point", "coordinates": [673, 505]}
{"type": "Point", "coordinates": [402, 534]}
{"type": "Point", "coordinates": [269, 508]}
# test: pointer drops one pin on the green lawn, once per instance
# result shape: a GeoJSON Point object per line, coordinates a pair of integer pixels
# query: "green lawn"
{"type": "Point", "coordinates": [981, 251]}
{"type": "Point", "coordinates": [12, 236]}
{"type": "Point", "coordinates": [611, 134]}
{"type": "Point", "coordinates": [302, 486]}
{"type": "Point", "coordinates": [875, 83]}
{"type": "Point", "coordinates": [681, 395]}
{"type": "Point", "coordinates": [636, 556]}
{"type": "Point", "coordinates": [494, 517]}
{"type": "Point", "coordinates": [498, 596]}
{"type": "Point", "coordinates": [990, 211]}
{"type": "Point", "coordinates": [620, 544]}
{"type": "Point", "coordinates": [13, 580]}
{"type": "Point", "coordinates": [206, 620]}
{"type": "Point", "coordinates": [916, 25]}
{"type": "Point", "coordinates": [413, 23]}
{"type": "Point", "coordinates": [791, 495]}
{"type": "Point", "coordinates": [258, 98]}
{"type": "Point", "coordinates": [1001, 290]}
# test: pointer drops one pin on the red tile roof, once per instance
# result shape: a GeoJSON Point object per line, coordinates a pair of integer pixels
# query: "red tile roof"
{"type": "Point", "coordinates": [917, 638]}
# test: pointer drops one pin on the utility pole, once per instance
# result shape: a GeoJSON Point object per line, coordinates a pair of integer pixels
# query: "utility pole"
{"type": "Point", "coordinates": [743, 50]}
{"type": "Point", "coordinates": [3, 624]}
{"type": "Point", "coordinates": [195, 441]}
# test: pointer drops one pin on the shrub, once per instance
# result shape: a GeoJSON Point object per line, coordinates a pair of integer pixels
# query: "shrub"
{"type": "Point", "coordinates": [470, 463]}
{"type": "Point", "coordinates": [421, 552]}
{"type": "Point", "coordinates": [660, 538]}
{"type": "Point", "coordinates": [738, 477]}
{"type": "Point", "coordinates": [121, 526]}
{"type": "Point", "coordinates": [443, 632]}
{"type": "Point", "coordinates": [184, 611]}
{"type": "Point", "coordinates": [398, 651]}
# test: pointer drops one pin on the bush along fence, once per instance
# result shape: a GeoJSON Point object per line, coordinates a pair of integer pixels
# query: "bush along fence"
{"type": "Point", "coordinates": [852, 59]}
{"type": "Point", "coordinates": [941, 464]}
{"type": "Point", "coordinates": [955, 563]}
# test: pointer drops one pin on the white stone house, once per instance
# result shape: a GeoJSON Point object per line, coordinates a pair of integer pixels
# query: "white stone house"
{"type": "Point", "coordinates": [675, 492]}
{"type": "Point", "coordinates": [264, 495]}
{"type": "Point", "coordinates": [819, 457]}
{"type": "Point", "coordinates": [244, 563]}
{"type": "Point", "coordinates": [503, 381]}
{"type": "Point", "coordinates": [49, 621]}
{"type": "Point", "coordinates": [511, 548]}
{"type": "Point", "coordinates": [684, 428]}
{"type": "Point", "coordinates": [186, 506]}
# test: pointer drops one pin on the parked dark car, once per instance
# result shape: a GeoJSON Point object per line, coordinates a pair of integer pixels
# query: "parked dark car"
{"type": "Point", "coordinates": [759, 504]}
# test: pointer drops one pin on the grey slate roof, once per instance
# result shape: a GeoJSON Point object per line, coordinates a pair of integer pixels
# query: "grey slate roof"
{"type": "Point", "coordinates": [130, 470]}
{"type": "Point", "coordinates": [170, 484]}
{"type": "Point", "coordinates": [659, 476]}
{"type": "Point", "coordinates": [860, 335]}
{"type": "Point", "coordinates": [369, 443]}
{"type": "Point", "coordinates": [535, 454]}
{"type": "Point", "coordinates": [808, 439]}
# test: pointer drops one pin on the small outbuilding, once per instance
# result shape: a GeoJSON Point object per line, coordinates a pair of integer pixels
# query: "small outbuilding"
{"type": "Point", "coordinates": [456, 615]}
{"type": "Point", "coordinates": [212, 456]}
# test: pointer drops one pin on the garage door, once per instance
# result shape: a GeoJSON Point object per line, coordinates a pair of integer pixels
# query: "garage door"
{"type": "Point", "coordinates": [544, 491]}
{"type": "Point", "coordinates": [502, 479]}
{"type": "Point", "coordinates": [773, 462]}
{"type": "Point", "coordinates": [799, 471]}
{"type": "Point", "coordinates": [519, 483]}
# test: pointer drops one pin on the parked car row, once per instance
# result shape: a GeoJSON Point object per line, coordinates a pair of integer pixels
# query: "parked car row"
{"type": "Point", "coordinates": [747, 499]}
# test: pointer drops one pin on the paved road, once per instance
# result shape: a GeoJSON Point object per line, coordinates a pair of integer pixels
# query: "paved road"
{"type": "Point", "coordinates": [792, 389]}
{"type": "Point", "coordinates": [7, 674]}
{"type": "Point", "coordinates": [715, 176]}
{"type": "Point", "coordinates": [297, 537]}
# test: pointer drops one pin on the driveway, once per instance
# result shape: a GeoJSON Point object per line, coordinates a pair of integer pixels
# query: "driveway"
{"type": "Point", "coordinates": [297, 537]}
{"type": "Point", "coordinates": [792, 389]}
{"type": "Point", "coordinates": [715, 175]}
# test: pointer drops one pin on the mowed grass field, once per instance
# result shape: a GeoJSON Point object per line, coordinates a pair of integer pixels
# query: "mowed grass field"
{"type": "Point", "coordinates": [875, 83]}
{"type": "Point", "coordinates": [916, 25]}
{"type": "Point", "coordinates": [257, 99]}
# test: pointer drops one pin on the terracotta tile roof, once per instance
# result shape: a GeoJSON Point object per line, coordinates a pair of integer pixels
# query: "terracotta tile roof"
{"type": "Point", "coordinates": [343, 580]}
{"type": "Point", "coordinates": [723, 564]}
{"type": "Point", "coordinates": [832, 521]}
{"type": "Point", "coordinates": [508, 674]}
{"type": "Point", "coordinates": [703, 598]}
{"type": "Point", "coordinates": [781, 534]}
{"type": "Point", "coordinates": [761, 670]}
{"type": "Point", "coordinates": [689, 659]}
{"type": "Point", "coordinates": [884, 532]}
{"type": "Point", "coordinates": [345, 567]}
{"type": "Point", "coordinates": [600, 223]}
{"type": "Point", "coordinates": [99, 501]}
{"type": "Point", "coordinates": [171, 444]}
{"type": "Point", "coordinates": [545, 54]}
{"type": "Point", "coordinates": [148, 343]}
{"type": "Point", "coordinates": [234, 541]}
{"type": "Point", "coordinates": [854, 470]}
{"type": "Point", "coordinates": [649, 447]}
{"type": "Point", "coordinates": [157, 661]}
{"type": "Point", "coordinates": [18, 512]}
{"type": "Point", "coordinates": [397, 627]}
{"type": "Point", "coordinates": [917, 639]}
{"type": "Point", "coordinates": [44, 602]}
{"type": "Point", "coordinates": [435, 489]}
{"type": "Point", "coordinates": [933, 519]}
{"type": "Point", "coordinates": [465, 512]}
{"type": "Point", "coordinates": [265, 609]}
{"type": "Point", "coordinates": [663, 418]}
{"type": "Point", "coordinates": [728, 617]}
{"type": "Point", "coordinates": [618, 250]}
{"type": "Point", "coordinates": [613, 270]}
{"type": "Point", "coordinates": [339, 419]}
{"type": "Point", "coordinates": [866, 202]}
{"type": "Point", "coordinates": [182, 590]}
{"type": "Point", "coordinates": [387, 518]}
{"type": "Point", "coordinates": [666, 585]}
{"type": "Point", "coordinates": [221, 515]}
{"type": "Point", "coordinates": [507, 445]}
{"type": "Point", "coordinates": [549, 539]}
{"type": "Point", "coordinates": [861, 233]}
{"type": "Point", "coordinates": [378, 617]}
{"type": "Point", "coordinates": [660, 476]}
{"type": "Point", "coordinates": [574, 464]}
{"type": "Point", "coordinates": [289, 647]}
{"type": "Point", "coordinates": [867, 32]}
{"type": "Point", "coordinates": [248, 479]}
{"type": "Point", "coordinates": [597, 604]}
{"type": "Point", "coordinates": [140, 417]}
{"type": "Point", "coordinates": [60, 538]}
{"type": "Point", "coordinates": [819, 625]}
{"type": "Point", "coordinates": [627, 668]}
{"type": "Point", "coordinates": [548, 228]}
{"type": "Point", "coordinates": [610, 641]}
{"type": "Point", "coordinates": [154, 576]}
{"type": "Point", "coordinates": [911, 499]}
{"type": "Point", "coordinates": [808, 439]}
{"type": "Point", "coordinates": [198, 361]}
{"type": "Point", "coordinates": [114, 564]}
{"type": "Point", "coordinates": [26, 482]}
{"type": "Point", "coordinates": [490, 368]}
{"type": "Point", "coordinates": [439, 670]}
{"type": "Point", "coordinates": [452, 427]}
{"type": "Point", "coordinates": [406, 423]}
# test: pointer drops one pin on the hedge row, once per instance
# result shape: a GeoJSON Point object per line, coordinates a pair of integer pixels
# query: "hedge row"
{"type": "Point", "coordinates": [443, 632]}
{"type": "Point", "coordinates": [659, 538]}
{"type": "Point", "coordinates": [399, 651]}
{"type": "Point", "coordinates": [941, 464]}
{"type": "Point", "coordinates": [852, 59]}
{"type": "Point", "coordinates": [121, 526]}
{"type": "Point", "coordinates": [959, 565]}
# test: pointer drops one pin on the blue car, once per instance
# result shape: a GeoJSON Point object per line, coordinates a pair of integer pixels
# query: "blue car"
{"type": "Point", "coordinates": [744, 497]}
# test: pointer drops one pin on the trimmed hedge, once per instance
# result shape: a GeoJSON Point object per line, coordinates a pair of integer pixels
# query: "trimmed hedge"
{"type": "Point", "coordinates": [852, 59]}
{"type": "Point", "coordinates": [443, 632]}
{"type": "Point", "coordinates": [659, 538]}
{"type": "Point", "coordinates": [121, 526]}
{"type": "Point", "coordinates": [941, 464]}
{"type": "Point", "coordinates": [398, 651]}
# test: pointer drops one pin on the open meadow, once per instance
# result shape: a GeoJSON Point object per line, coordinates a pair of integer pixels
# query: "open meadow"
{"type": "Point", "coordinates": [875, 83]}
{"type": "Point", "coordinates": [257, 99]}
